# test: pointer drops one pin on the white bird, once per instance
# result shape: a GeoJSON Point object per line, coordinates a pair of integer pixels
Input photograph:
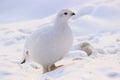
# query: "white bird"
{"type": "Point", "coordinates": [49, 44]}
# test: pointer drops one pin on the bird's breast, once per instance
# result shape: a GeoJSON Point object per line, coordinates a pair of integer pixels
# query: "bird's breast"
{"type": "Point", "coordinates": [63, 40]}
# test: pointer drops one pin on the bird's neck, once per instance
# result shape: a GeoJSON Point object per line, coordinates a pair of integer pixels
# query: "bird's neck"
{"type": "Point", "coordinates": [61, 23]}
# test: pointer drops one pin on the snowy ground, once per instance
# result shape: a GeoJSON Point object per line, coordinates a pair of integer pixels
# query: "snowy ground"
{"type": "Point", "coordinates": [103, 64]}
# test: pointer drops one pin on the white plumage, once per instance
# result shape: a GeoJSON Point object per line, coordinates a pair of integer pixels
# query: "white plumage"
{"type": "Point", "coordinates": [51, 42]}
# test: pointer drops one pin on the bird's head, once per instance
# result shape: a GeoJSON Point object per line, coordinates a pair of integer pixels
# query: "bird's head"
{"type": "Point", "coordinates": [64, 15]}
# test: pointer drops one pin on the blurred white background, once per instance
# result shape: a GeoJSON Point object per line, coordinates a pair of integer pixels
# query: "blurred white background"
{"type": "Point", "coordinates": [21, 10]}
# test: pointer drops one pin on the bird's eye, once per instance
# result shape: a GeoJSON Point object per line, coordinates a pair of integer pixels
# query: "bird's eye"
{"type": "Point", "coordinates": [65, 13]}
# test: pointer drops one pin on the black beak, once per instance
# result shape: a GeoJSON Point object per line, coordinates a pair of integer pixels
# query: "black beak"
{"type": "Point", "coordinates": [73, 14]}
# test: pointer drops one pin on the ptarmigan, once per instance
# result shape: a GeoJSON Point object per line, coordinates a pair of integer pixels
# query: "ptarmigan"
{"type": "Point", "coordinates": [49, 44]}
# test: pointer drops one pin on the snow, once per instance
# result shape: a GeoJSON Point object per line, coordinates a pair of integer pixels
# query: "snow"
{"type": "Point", "coordinates": [14, 11]}
{"type": "Point", "coordinates": [100, 30]}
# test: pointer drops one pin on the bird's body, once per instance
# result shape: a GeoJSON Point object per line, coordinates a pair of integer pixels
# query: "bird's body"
{"type": "Point", "coordinates": [49, 44]}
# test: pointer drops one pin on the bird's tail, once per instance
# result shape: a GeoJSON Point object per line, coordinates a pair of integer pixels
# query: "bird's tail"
{"type": "Point", "coordinates": [23, 61]}
{"type": "Point", "coordinates": [26, 55]}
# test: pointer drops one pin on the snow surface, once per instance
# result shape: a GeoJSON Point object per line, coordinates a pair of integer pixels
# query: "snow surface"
{"type": "Point", "coordinates": [99, 29]}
